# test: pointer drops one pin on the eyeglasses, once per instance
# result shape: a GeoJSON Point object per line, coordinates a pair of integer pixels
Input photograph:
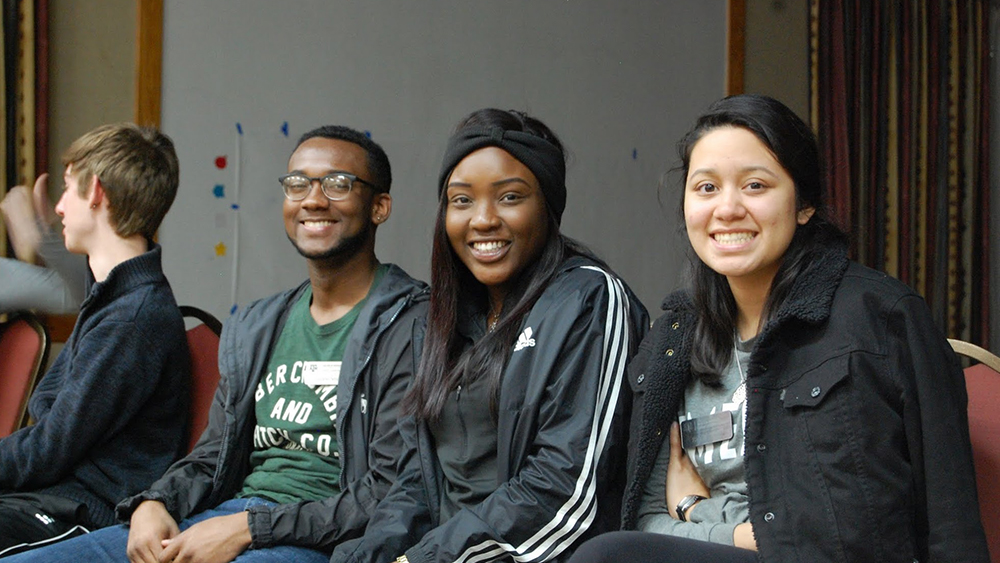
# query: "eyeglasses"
{"type": "Point", "coordinates": [335, 186]}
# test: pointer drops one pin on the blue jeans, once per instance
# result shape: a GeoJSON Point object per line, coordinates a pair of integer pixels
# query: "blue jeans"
{"type": "Point", "coordinates": [108, 544]}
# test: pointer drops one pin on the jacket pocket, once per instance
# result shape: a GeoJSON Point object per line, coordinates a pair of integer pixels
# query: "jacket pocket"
{"type": "Point", "coordinates": [816, 384]}
{"type": "Point", "coordinates": [820, 471]}
{"type": "Point", "coordinates": [637, 368]}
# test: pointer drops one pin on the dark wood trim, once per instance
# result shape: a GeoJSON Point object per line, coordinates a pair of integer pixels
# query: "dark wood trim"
{"type": "Point", "coordinates": [59, 326]}
{"type": "Point", "coordinates": [41, 87]}
{"type": "Point", "coordinates": [149, 61]}
{"type": "Point", "coordinates": [736, 19]}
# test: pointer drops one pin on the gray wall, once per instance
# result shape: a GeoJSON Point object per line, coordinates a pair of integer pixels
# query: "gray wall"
{"type": "Point", "coordinates": [619, 82]}
{"type": "Point", "coordinates": [91, 71]}
{"type": "Point", "coordinates": [777, 52]}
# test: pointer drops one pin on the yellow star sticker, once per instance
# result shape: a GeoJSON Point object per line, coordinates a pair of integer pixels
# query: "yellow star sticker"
{"type": "Point", "coordinates": [220, 249]}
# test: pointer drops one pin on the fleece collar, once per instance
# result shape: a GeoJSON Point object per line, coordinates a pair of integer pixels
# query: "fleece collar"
{"type": "Point", "coordinates": [810, 298]}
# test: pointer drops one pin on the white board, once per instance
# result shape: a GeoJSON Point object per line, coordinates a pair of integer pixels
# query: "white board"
{"type": "Point", "coordinates": [619, 82]}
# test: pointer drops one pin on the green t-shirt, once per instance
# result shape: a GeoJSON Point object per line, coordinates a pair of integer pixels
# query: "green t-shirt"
{"type": "Point", "coordinates": [296, 456]}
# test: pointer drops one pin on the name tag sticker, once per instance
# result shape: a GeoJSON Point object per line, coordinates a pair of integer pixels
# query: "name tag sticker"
{"type": "Point", "coordinates": [707, 429]}
{"type": "Point", "coordinates": [320, 373]}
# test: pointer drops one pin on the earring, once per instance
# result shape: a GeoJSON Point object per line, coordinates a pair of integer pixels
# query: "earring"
{"type": "Point", "coordinates": [93, 206]}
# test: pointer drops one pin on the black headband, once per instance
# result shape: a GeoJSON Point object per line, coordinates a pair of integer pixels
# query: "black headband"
{"type": "Point", "coordinates": [543, 158]}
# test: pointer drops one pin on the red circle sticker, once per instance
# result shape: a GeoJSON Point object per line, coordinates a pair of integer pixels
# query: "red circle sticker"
{"type": "Point", "coordinates": [220, 162]}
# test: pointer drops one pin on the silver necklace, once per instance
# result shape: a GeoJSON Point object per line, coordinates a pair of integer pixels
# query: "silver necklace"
{"type": "Point", "coordinates": [740, 394]}
{"type": "Point", "coordinates": [736, 354]}
{"type": "Point", "coordinates": [492, 319]}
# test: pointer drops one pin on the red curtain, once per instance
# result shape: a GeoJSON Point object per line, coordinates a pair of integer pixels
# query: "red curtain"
{"type": "Point", "coordinates": [900, 100]}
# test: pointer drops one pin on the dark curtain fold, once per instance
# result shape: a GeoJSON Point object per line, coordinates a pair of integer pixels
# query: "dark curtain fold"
{"type": "Point", "coordinates": [41, 50]}
{"type": "Point", "coordinates": [11, 63]}
{"type": "Point", "coordinates": [900, 95]}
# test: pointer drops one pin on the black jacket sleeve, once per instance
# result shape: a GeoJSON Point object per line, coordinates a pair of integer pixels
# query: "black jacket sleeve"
{"type": "Point", "coordinates": [405, 514]}
{"type": "Point", "coordinates": [937, 432]}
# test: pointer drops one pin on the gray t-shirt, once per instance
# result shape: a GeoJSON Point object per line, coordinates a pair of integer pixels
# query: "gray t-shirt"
{"type": "Point", "coordinates": [720, 464]}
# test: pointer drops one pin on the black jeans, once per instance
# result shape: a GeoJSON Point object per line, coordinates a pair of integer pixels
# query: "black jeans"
{"type": "Point", "coordinates": [618, 547]}
{"type": "Point", "coordinates": [31, 520]}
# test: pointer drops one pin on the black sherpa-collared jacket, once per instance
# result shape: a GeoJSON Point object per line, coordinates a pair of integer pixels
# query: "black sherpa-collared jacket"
{"type": "Point", "coordinates": [857, 440]}
{"type": "Point", "coordinates": [381, 355]}
{"type": "Point", "coordinates": [561, 439]}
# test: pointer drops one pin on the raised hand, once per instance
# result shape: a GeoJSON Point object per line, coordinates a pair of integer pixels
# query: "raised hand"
{"type": "Point", "coordinates": [44, 210]}
{"type": "Point", "coordinates": [19, 217]}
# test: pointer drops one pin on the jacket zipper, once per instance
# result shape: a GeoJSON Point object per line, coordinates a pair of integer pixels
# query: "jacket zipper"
{"type": "Point", "coordinates": [461, 423]}
{"type": "Point", "coordinates": [360, 369]}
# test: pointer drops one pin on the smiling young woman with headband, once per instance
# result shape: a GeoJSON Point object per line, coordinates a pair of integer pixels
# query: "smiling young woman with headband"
{"type": "Point", "coordinates": [517, 428]}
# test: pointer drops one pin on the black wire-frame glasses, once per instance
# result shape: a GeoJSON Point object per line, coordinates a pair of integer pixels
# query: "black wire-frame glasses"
{"type": "Point", "coordinates": [336, 186]}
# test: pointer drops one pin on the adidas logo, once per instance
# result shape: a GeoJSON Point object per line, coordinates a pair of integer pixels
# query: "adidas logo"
{"type": "Point", "coordinates": [45, 518]}
{"type": "Point", "coordinates": [524, 340]}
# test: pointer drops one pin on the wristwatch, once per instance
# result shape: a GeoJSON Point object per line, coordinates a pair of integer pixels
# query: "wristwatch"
{"type": "Point", "coordinates": [685, 504]}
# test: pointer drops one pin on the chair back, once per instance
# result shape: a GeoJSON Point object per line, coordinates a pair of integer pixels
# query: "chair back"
{"type": "Point", "coordinates": [203, 344]}
{"type": "Point", "coordinates": [24, 351]}
{"type": "Point", "coordinates": [982, 381]}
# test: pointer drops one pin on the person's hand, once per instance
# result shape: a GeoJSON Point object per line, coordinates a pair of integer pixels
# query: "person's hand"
{"type": "Point", "coordinates": [682, 477]}
{"type": "Point", "coordinates": [18, 215]}
{"type": "Point", "coordinates": [44, 210]}
{"type": "Point", "coordinates": [743, 536]}
{"type": "Point", "coordinates": [151, 524]}
{"type": "Point", "coordinates": [216, 540]}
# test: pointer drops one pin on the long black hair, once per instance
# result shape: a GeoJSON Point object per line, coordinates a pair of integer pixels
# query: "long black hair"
{"type": "Point", "coordinates": [446, 362]}
{"type": "Point", "coordinates": [793, 145]}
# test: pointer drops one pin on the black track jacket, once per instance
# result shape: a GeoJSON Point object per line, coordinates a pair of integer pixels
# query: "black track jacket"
{"type": "Point", "coordinates": [562, 438]}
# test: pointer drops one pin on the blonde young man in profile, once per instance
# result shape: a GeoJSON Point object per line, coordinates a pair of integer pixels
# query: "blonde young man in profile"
{"type": "Point", "coordinates": [111, 413]}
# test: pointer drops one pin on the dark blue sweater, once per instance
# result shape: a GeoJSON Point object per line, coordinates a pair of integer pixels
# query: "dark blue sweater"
{"type": "Point", "coordinates": [111, 413]}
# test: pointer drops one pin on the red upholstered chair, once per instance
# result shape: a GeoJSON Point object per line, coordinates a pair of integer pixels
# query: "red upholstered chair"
{"type": "Point", "coordinates": [203, 343]}
{"type": "Point", "coordinates": [24, 350]}
{"type": "Point", "coordinates": [982, 381]}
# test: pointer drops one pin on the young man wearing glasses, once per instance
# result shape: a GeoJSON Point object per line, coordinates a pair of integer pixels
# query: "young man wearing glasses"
{"type": "Point", "coordinates": [302, 440]}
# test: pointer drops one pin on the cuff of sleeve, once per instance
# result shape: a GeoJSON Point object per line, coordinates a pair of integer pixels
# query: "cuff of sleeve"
{"type": "Point", "coordinates": [414, 555]}
{"type": "Point", "coordinates": [125, 508]}
{"type": "Point", "coordinates": [259, 520]}
{"type": "Point", "coordinates": [722, 533]}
